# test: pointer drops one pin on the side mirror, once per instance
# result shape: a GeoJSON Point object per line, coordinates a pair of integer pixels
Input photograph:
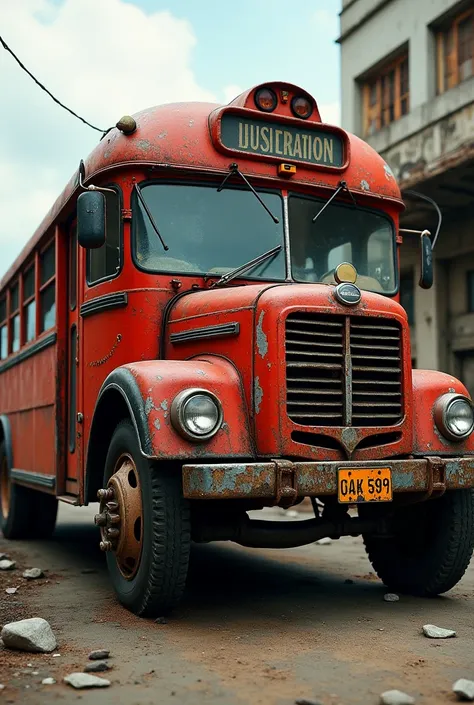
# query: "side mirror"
{"type": "Point", "coordinates": [91, 220]}
{"type": "Point", "coordinates": [426, 251]}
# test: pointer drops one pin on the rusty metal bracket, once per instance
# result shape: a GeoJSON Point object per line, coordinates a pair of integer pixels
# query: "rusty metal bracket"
{"type": "Point", "coordinates": [436, 476]}
{"type": "Point", "coordinates": [286, 492]}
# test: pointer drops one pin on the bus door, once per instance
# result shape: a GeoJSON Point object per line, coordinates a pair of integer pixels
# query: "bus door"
{"type": "Point", "coordinates": [74, 418]}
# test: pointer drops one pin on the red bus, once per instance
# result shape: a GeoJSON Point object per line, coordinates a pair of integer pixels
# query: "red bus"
{"type": "Point", "coordinates": [208, 322]}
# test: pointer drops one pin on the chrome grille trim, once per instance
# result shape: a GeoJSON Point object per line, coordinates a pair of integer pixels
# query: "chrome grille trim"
{"type": "Point", "coordinates": [343, 370]}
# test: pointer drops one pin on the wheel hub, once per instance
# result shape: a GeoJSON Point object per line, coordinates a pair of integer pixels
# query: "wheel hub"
{"type": "Point", "coordinates": [120, 516]}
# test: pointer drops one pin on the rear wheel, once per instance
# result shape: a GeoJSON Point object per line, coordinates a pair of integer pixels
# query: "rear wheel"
{"type": "Point", "coordinates": [24, 513]}
{"type": "Point", "coordinates": [430, 545]}
{"type": "Point", "coordinates": [145, 527]}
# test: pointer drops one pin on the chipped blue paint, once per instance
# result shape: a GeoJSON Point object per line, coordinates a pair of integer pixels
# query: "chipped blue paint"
{"type": "Point", "coordinates": [262, 340]}
{"type": "Point", "coordinates": [388, 172]}
{"type": "Point", "coordinates": [364, 185]}
{"type": "Point", "coordinates": [403, 480]}
{"type": "Point", "coordinates": [164, 405]}
{"type": "Point", "coordinates": [157, 424]}
{"type": "Point", "coordinates": [149, 406]}
{"type": "Point", "coordinates": [258, 395]}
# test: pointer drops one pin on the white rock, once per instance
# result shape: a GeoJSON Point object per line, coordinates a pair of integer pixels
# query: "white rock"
{"type": "Point", "coordinates": [2, 686]}
{"type": "Point", "coordinates": [33, 635]}
{"type": "Point", "coordinates": [433, 632]}
{"type": "Point", "coordinates": [464, 689]}
{"type": "Point", "coordinates": [11, 591]}
{"type": "Point", "coordinates": [396, 697]}
{"type": "Point", "coordinates": [48, 681]}
{"type": "Point", "coordinates": [324, 542]}
{"type": "Point", "coordinates": [85, 680]}
{"type": "Point", "coordinates": [391, 597]}
{"type": "Point", "coordinates": [291, 513]}
{"type": "Point", "coordinates": [5, 564]}
{"type": "Point", "coordinates": [33, 573]}
{"type": "Point", "coordinates": [35, 673]}
{"type": "Point", "coordinates": [56, 655]}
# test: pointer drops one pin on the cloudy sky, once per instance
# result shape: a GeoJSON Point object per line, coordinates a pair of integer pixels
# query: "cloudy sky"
{"type": "Point", "coordinates": [104, 58]}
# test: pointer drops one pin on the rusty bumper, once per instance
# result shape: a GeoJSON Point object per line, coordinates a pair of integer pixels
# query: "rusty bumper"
{"type": "Point", "coordinates": [281, 479]}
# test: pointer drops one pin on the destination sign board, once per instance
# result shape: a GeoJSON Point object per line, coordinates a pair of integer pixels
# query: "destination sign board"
{"type": "Point", "coordinates": [273, 139]}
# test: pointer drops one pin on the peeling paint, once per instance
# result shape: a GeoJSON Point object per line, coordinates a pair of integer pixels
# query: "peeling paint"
{"type": "Point", "coordinates": [164, 404]}
{"type": "Point", "coordinates": [149, 406]}
{"type": "Point", "coordinates": [364, 185]}
{"type": "Point", "coordinates": [262, 340]}
{"type": "Point", "coordinates": [388, 172]}
{"type": "Point", "coordinates": [258, 395]}
{"type": "Point", "coordinates": [157, 424]}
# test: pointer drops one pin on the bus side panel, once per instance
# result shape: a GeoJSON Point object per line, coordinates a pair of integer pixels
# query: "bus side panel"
{"type": "Point", "coordinates": [27, 397]}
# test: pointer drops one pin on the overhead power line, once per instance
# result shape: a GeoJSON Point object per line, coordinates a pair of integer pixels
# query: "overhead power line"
{"type": "Point", "coordinates": [5, 46]}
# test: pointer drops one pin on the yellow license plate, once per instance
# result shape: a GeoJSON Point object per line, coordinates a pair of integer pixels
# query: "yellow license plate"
{"type": "Point", "coordinates": [359, 485]}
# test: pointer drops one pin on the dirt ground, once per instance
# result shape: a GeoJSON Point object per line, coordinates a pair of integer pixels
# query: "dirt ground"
{"type": "Point", "coordinates": [256, 627]}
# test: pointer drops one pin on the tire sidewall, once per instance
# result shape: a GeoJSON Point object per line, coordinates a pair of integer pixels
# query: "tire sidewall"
{"type": "Point", "coordinates": [131, 592]}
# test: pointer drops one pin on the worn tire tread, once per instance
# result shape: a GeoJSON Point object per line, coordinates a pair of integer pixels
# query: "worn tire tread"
{"type": "Point", "coordinates": [448, 556]}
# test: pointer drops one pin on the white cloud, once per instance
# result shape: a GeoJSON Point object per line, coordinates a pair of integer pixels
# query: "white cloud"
{"type": "Point", "coordinates": [102, 59]}
{"type": "Point", "coordinates": [232, 91]}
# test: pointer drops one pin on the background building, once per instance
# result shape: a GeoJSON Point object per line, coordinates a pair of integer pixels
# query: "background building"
{"type": "Point", "coordinates": [408, 89]}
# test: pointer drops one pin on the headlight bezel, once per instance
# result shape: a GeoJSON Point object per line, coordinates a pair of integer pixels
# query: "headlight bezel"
{"type": "Point", "coordinates": [177, 414]}
{"type": "Point", "coordinates": [441, 410]}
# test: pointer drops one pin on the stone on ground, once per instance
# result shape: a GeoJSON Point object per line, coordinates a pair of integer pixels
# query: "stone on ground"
{"type": "Point", "coordinates": [464, 689]}
{"type": "Point", "coordinates": [33, 573]}
{"type": "Point", "coordinates": [11, 591]}
{"type": "Point", "coordinates": [48, 681]}
{"type": "Point", "coordinates": [396, 697]}
{"type": "Point", "coordinates": [433, 632]}
{"type": "Point", "coordinates": [99, 655]}
{"type": "Point", "coordinates": [34, 635]}
{"type": "Point", "coordinates": [5, 564]}
{"type": "Point", "coordinates": [85, 680]}
{"type": "Point", "coordinates": [97, 667]}
{"type": "Point", "coordinates": [391, 597]}
{"type": "Point", "coordinates": [324, 542]}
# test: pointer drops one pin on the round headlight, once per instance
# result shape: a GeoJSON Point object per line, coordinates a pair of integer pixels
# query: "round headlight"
{"type": "Point", "coordinates": [266, 100]}
{"type": "Point", "coordinates": [196, 414]}
{"type": "Point", "coordinates": [301, 107]}
{"type": "Point", "coordinates": [454, 416]}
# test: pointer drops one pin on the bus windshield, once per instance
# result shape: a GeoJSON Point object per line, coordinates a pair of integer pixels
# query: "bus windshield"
{"type": "Point", "coordinates": [208, 232]}
{"type": "Point", "coordinates": [342, 233]}
{"type": "Point", "coordinates": [211, 232]}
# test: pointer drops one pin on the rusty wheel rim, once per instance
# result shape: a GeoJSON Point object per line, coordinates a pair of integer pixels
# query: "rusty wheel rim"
{"type": "Point", "coordinates": [121, 516]}
{"type": "Point", "coordinates": [4, 488]}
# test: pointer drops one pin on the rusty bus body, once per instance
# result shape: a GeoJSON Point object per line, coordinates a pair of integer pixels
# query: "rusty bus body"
{"type": "Point", "coordinates": [135, 372]}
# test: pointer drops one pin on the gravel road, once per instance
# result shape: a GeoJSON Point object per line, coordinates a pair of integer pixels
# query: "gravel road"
{"type": "Point", "coordinates": [256, 627]}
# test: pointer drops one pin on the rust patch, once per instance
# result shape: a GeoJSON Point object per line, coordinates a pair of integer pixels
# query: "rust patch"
{"type": "Point", "coordinates": [262, 340]}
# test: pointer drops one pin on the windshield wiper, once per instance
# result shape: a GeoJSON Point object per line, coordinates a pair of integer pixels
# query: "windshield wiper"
{"type": "Point", "coordinates": [234, 171]}
{"type": "Point", "coordinates": [243, 267]}
{"type": "Point", "coordinates": [150, 217]}
{"type": "Point", "coordinates": [342, 187]}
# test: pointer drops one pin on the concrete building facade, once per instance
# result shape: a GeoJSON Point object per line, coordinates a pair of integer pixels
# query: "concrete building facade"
{"type": "Point", "coordinates": [408, 89]}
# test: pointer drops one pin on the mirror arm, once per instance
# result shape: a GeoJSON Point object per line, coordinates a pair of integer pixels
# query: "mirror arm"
{"type": "Point", "coordinates": [91, 187]}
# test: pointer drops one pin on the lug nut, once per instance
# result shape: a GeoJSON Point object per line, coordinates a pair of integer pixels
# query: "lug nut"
{"type": "Point", "coordinates": [100, 519]}
{"type": "Point", "coordinates": [113, 519]}
{"type": "Point", "coordinates": [105, 546]}
{"type": "Point", "coordinates": [113, 533]}
{"type": "Point", "coordinates": [112, 506]}
{"type": "Point", "coordinates": [105, 494]}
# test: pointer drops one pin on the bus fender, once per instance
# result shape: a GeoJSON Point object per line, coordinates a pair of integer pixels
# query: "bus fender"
{"type": "Point", "coordinates": [144, 392]}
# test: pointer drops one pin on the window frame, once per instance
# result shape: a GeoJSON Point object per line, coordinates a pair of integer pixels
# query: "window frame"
{"type": "Point", "coordinates": [13, 313]}
{"type": "Point", "coordinates": [90, 284]}
{"type": "Point", "coordinates": [442, 83]}
{"type": "Point", "coordinates": [42, 287]}
{"type": "Point", "coordinates": [4, 323]}
{"type": "Point", "coordinates": [208, 184]}
{"type": "Point", "coordinates": [380, 109]}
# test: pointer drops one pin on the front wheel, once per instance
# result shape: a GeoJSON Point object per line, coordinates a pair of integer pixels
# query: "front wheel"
{"type": "Point", "coordinates": [145, 527]}
{"type": "Point", "coordinates": [429, 547]}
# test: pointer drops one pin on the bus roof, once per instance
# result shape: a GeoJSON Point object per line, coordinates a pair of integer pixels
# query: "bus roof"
{"type": "Point", "coordinates": [189, 136]}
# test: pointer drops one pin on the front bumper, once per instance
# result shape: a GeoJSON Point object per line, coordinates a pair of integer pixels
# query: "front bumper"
{"type": "Point", "coordinates": [285, 481]}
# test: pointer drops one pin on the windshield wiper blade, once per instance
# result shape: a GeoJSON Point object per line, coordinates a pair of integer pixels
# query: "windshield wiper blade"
{"type": "Point", "coordinates": [342, 187]}
{"type": "Point", "coordinates": [234, 171]}
{"type": "Point", "coordinates": [150, 216]}
{"type": "Point", "coordinates": [243, 267]}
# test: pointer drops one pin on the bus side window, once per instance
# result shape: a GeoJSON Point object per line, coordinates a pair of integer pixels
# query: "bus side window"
{"type": "Point", "coordinates": [29, 305]}
{"type": "Point", "coordinates": [48, 288]}
{"type": "Point", "coordinates": [3, 329]}
{"type": "Point", "coordinates": [15, 318]}
{"type": "Point", "coordinates": [105, 262]}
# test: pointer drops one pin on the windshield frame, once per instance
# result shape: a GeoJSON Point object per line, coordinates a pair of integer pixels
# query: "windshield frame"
{"type": "Point", "coordinates": [210, 183]}
{"type": "Point", "coordinates": [374, 211]}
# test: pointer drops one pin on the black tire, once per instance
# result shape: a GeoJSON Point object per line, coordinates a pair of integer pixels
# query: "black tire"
{"type": "Point", "coordinates": [430, 547]}
{"type": "Point", "coordinates": [160, 579]}
{"type": "Point", "coordinates": [30, 514]}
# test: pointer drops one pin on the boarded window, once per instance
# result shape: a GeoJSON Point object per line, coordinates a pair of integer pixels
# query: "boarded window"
{"type": "Point", "coordinates": [386, 95]}
{"type": "Point", "coordinates": [455, 51]}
